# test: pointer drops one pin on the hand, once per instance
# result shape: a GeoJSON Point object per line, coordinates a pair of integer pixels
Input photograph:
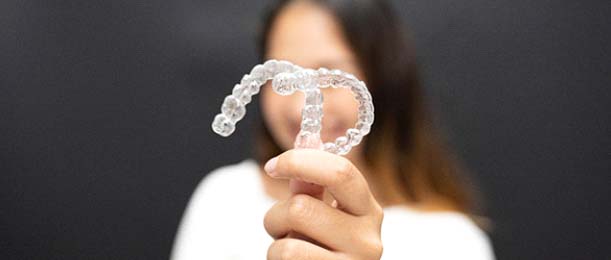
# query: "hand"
{"type": "Point", "coordinates": [347, 229]}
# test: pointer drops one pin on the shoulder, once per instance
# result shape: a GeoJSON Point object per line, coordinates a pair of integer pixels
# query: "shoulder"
{"type": "Point", "coordinates": [231, 172]}
{"type": "Point", "coordinates": [228, 184]}
{"type": "Point", "coordinates": [433, 235]}
{"type": "Point", "coordinates": [209, 218]}
{"type": "Point", "coordinates": [228, 179]}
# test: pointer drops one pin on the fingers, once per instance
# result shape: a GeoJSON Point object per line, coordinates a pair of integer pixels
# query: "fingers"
{"type": "Point", "coordinates": [342, 179]}
{"type": "Point", "coordinates": [295, 249]}
{"type": "Point", "coordinates": [349, 227]}
{"type": "Point", "coordinates": [314, 219]}
{"type": "Point", "coordinates": [300, 187]}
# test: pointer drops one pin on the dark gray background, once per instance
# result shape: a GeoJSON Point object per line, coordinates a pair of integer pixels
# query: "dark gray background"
{"type": "Point", "coordinates": [106, 106]}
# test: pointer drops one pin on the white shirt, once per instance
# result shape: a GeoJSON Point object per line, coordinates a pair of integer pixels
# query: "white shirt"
{"type": "Point", "coordinates": [224, 220]}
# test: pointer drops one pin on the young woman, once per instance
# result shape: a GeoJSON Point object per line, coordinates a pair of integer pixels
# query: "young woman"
{"type": "Point", "coordinates": [396, 196]}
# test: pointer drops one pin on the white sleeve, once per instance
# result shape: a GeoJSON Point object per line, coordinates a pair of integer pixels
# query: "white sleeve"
{"type": "Point", "coordinates": [434, 236]}
{"type": "Point", "coordinates": [198, 233]}
{"type": "Point", "coordinates": [462, 239]}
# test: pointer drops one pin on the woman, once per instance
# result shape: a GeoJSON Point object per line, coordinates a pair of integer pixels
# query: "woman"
{"type": "Point", "coordinates": [396, 196]}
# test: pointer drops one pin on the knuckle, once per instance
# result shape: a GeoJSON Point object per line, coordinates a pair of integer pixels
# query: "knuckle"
{"type": "Point", "coordinates": [284, 249]}
{"type": "Point", "coordinates": [378, 248]}
{"type": "Point", "coordinates": [344, 171]}
{"type": "Point", "coordinates": [289, 252]}
{"type": "Point", "coordinates": [378, 212]}
{"type": "Point", "coordinates": [381, 215]}
{"type": "Point", "coordinates": [298, 208]}
{"type": "Point", "coordinates": [374, 248]}
{"type": "Point", "coordinates": [267, 222]}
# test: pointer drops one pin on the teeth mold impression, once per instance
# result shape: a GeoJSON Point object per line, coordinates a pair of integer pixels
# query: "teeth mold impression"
{"type": "Point", "coordinates": [288, 78]}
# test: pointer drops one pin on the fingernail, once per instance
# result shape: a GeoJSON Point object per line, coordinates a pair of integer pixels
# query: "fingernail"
{"type": "Point", "coordinates": [270, 166]}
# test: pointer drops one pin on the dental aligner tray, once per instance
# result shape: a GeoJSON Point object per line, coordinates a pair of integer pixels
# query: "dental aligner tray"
{"type": "Point", "coordinates": [288, 78]}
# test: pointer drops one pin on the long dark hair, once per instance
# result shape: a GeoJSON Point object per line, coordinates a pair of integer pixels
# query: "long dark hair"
{"type": "Point", "coordinates": [406, 144]}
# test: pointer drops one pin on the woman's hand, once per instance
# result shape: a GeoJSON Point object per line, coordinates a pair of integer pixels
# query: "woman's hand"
{"type": "Point", "coordinates": [348, 229]}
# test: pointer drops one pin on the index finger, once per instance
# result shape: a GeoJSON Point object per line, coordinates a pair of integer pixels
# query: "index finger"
{"type": "Point", "coordinates": [336, 173]}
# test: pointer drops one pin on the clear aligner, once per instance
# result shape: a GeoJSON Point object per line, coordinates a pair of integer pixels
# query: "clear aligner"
{"type": "Point", "coordinates": [288, 78]}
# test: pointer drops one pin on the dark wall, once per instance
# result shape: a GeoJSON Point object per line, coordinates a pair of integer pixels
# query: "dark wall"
{"type": "Point", "coordinates": [106, 106]}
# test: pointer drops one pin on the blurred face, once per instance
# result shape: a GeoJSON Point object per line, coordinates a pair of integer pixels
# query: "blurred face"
{"type": "Point", "coordinates": [307, 35]}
